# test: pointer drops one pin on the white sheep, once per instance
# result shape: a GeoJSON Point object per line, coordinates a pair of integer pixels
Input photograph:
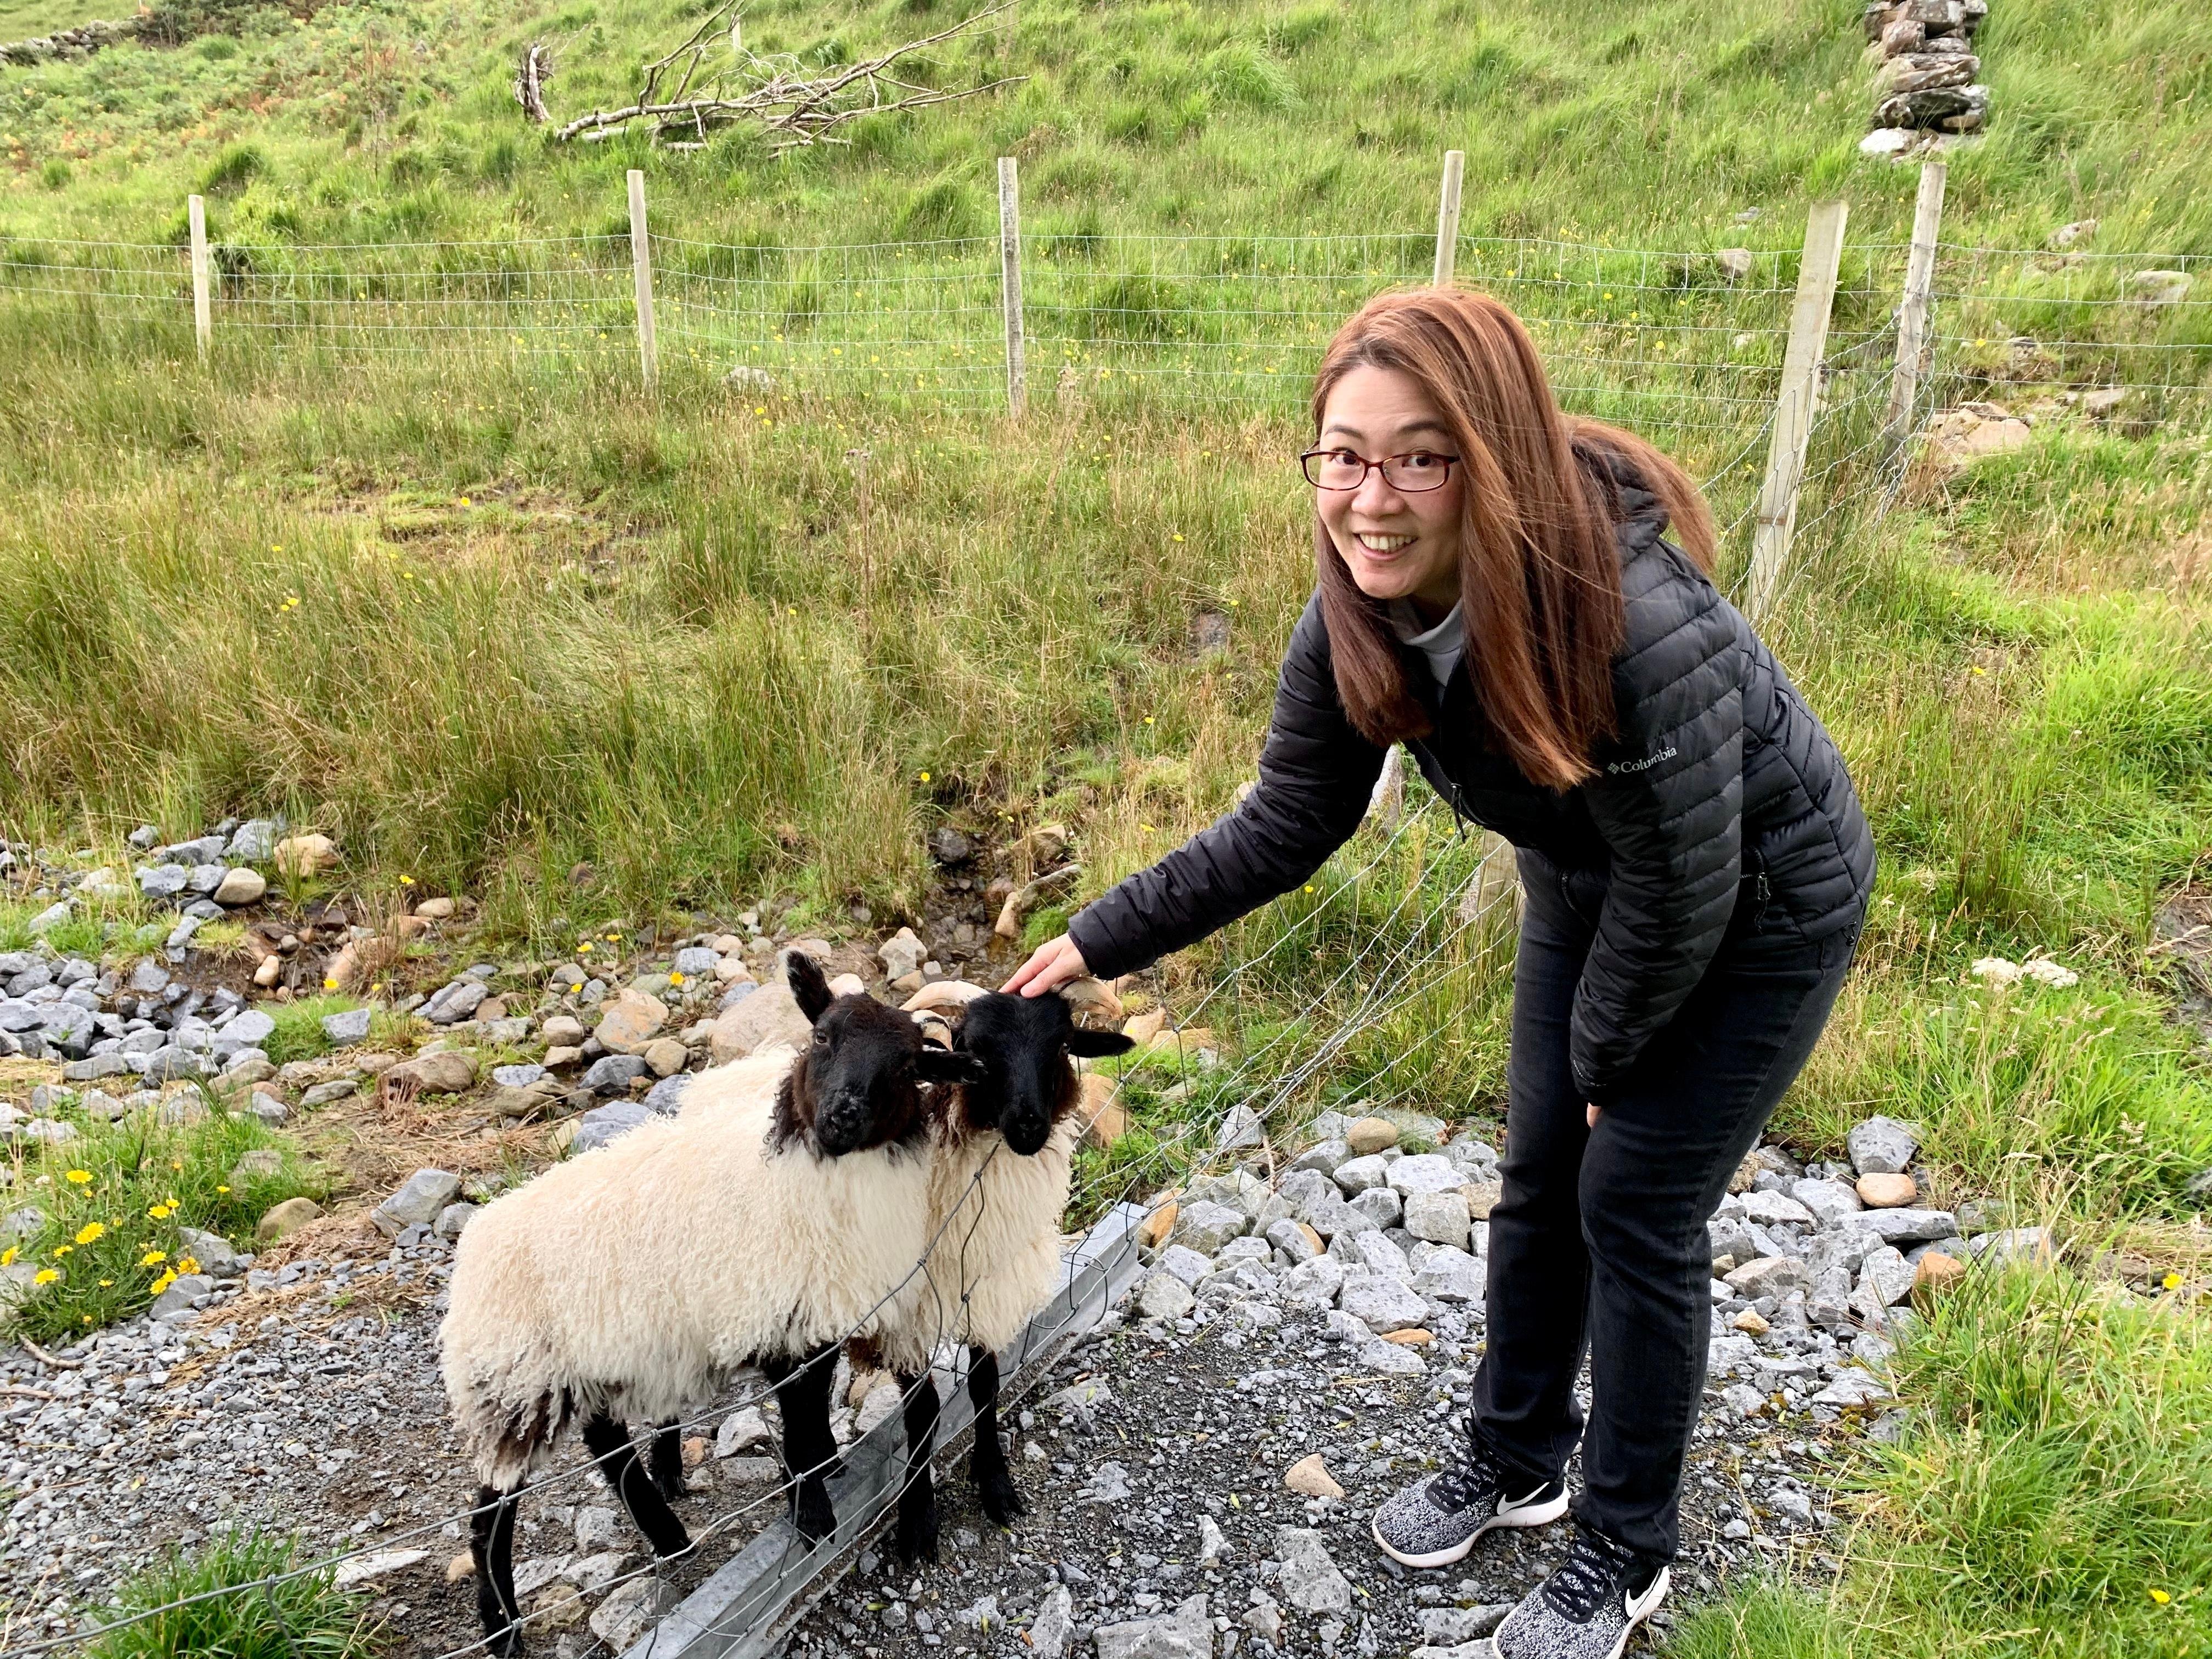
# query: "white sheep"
{"type": "Point", "coordinates": [633, 1281]}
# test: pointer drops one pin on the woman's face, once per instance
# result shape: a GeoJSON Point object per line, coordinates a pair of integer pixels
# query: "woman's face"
{"type": "Point", "coordinates": [1398, 544]}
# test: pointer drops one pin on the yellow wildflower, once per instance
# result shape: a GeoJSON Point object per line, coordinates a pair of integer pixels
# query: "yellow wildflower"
{"type": "Point", "coordinates": [676, 979]}
{"type": "Point", "coordinates": [159, 1213]}
{"type": "Point", "coordinates": [80, 1177]}
{"type": "Point", "coordinates": [90, 1232]}
{"type": "Point", "coordinates": [220, 1187]}
{"type": "Point", "coordinates": [2160, 1597]}
{"type": "Point", "coordinates": [8, 1257]}
{"type": "Point", "coordinates": [61, 1250]}
{"type": "Point", "coordinates": [2172, 1281]}
{"type": "Point", "coordinates": [152, 1258]}
{"type": "Point", "coordinates": [45, 1276]}
{"type": "Point", "coordinates": [168, 1278]}
{"type": "Point", "coordinates": [187, 1264]}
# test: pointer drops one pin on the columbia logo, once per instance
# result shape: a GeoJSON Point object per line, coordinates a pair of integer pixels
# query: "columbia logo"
{"type": "Point", "coordinates": [1646, 763]}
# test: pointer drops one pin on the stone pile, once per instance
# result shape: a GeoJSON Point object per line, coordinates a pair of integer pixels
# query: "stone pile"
{"type": "Point", "coordinates": [81, 41]}
{"type": "Point", "coordinates": [1930, 74]}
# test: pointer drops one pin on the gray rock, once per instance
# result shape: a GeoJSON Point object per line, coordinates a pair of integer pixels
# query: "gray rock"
{"type": "Point", "coordinates": [2012, 1244]}
{"type": "Point", "coordinates": [1885, 1280]}
{"type": "Point", "coordinates": [1827, 1201]}
{"type": "Point", "coordinates": [1310, 1580]}
{"type": "Point", "coordinates": [324, 1093]}
{"type": "Point", "coordinates": [1902, 1227]}
{"type": "Point", "coordinates": [696, 962]}
{"type": "Point", "coordinates": [1205, 1226]}
{"type": "Point", "coordinates": [612, 1072]}
{"type": "Point", "coordinates": [1883, 1145]}
{"type": "Point", "coordinates": [177, 1301]}
{"type": "Point", "coordinates": [1775, 1210]}
{"type": "Point", "coordinates": [518, 1077]}
{"type": "Point", "coordinates": [351, 1026]}
{"type": "Point", "coordinates": [1380, 1204]}
{"type": "Point", "coordinates": [1380, 1254]}
{"type": "Point", "coordinates": [1447, 1273]}
{"type": "Point", "coordinates": [1185, 1263]}
{"type": "Point", "coordinates": [456, 1002]}
{"type": "Point", "coordinates": [1770, 1275]}
{"type": "Point", "coordinates": [1323, 1158]}
{"type": "Point", "coordinates": [217, 1257]}
{"type": "Point", "coordinates": [1164, 1297]}
{"type": "Point", "coordinates": [248, 1030]}
{"type": "Point", "coordinates": [1240, 1129]}
{"type": "Point", "coordinates": [205, 879]}
{"type": "Point", "coordinates": [1186, 1633]}
{"type": "Point", "coordinates": [161, 881]}
{"type": "Point", "coordinates": [1314, 1284]}
{"type": "Point", "coordinates": [145, 836]}
{"type": "Point", "coordinates": [1382, 1304]}
{"type": "Point", "coordinates": [633, 1608]}
{"type": "Point", "coordinates": [1439, 1218]}
{"type": "Point", "coordinates": [1055, 1624]}
{"type": "Point", "coordinates": [609, 1122]}
{"type": "Point", "coordinates": [1293, 1239]}
{"type": "Point", "coordinates": [1449, 1626]}
{"type": "Point", "coordinates": [253, 841]}
{"type": "Point", "coordinates": [50, 918]}
{"type": "Point", "coordinates": [1360, 1175]}
{"type": "Point", "coordinates": [452, 1218]}
{"type": "Point", "coordinates": [1108, 1483]}
{"type": "Point", "coordinates": [666, 1096]}
{"type": "Point", "coordinates": [418, 1201]}
{"type": "Point", "coordinates": [1425, 1172]}
{"type": "Point", "coordinates": [93, 1068]}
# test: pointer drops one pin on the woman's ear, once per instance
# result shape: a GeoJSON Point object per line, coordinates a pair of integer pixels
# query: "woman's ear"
{"type": "Point", "coordinates": [935, 1065]}
{"type": "Point", "coordinates": [1096, 1045]}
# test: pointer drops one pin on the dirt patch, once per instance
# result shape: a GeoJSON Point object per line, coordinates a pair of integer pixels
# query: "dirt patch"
{"type": "Point", "coordinates": [2181, 941]}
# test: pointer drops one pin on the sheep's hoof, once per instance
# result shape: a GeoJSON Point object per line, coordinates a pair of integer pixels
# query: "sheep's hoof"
{"type": "Point", "coordinates": [813, 1515]}
{"type": "Point", "coordinates": [916, 1537]}
{"type": "Point", "coordinates": [506, 1642]}
{"type": "Point", "coordinates": [1002, 1501]}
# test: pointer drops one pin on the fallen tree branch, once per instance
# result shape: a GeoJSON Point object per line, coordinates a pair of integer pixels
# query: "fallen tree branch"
{"type": "Point", "coordinates": [531, 75]}
{"type": "Point", "coordinates": [55, 1360]}
{"type": "Point", "coordinates": [793, 107]}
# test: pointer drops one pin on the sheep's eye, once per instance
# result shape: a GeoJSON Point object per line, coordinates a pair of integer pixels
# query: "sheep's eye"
{"type": "Point", "coordinates": [821, 1037]}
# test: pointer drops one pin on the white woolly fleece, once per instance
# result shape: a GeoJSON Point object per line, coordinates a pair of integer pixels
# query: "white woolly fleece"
{"type": "Point", "coordinates": [636, 1278]}
{"type": "Point", "coordinates": [995, 1258]}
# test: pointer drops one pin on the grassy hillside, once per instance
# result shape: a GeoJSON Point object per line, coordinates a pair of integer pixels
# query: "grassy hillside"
{"type": "Point", "coordinates": [487, 611]}
{"type": "Point", "coordinates": [1659, 123]}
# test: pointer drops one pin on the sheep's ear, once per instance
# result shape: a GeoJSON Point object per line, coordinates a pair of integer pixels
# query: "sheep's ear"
{"type": "Point", "coordinates": [808, 987]}
{"type": "Point", "coordinates": [1096, 1045]}
{"type": "Point", "coordinates": [935, 1065]}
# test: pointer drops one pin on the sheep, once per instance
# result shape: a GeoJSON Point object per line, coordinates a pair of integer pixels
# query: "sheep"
{"type": "Point", "coordinates": [999, 1184]}
{"type": "Point", "coordinates": [633, 1281]}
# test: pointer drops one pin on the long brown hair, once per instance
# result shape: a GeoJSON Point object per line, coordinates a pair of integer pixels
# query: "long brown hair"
{"type": "Point", "coordinates": [1539, 578]}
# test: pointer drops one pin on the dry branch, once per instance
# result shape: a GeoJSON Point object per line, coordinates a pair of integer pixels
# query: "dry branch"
{"type": "Point", "coordinates": [682, 101]}
{"type": "Point", "coordinates": [531, 75]}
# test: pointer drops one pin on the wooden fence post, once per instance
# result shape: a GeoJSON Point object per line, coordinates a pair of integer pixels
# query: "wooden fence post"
{"type": "Point", "coordinates": [1912, 312]}
{"type": "Point", "coordinates": [203, 300]}
{"type": "Point", "coordinates": [641, 263]}
{"type": "Point", "coordinates": [1793, 404]}
{"type": "Point", "coordinates": [1448, 216]}
{"type": "Point", "coordinates": [1010, 280]}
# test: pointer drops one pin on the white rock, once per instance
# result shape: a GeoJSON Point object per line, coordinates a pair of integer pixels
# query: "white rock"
{"type": "Point", "coordinates": [1885, 1278]}
{"type": "Point", "coordinates": [1162, 1296]}
{"type": "Point", "coordinates": [1828, 1202]}
{"type": "Point", "coordinates": [1883, 1145]}
{"type": "Point", "coordinates": [1310, 1580]}
{"type": "Point", "coordinates": [1852, 1387]}
{"type": "Point", "coordinates": [1425, 1172]}
{"type": "Point", "coordinates": [1314, 1284]}
{"type": "Point", "coordinates": [1185, 1264]}
{"type": "Point", "coordinates": [741, 1431]}
{"type": "Point", "coordinates": [632, 1610]}
{"type": "Point", "coordinates": [362, 1568]}
{"type": "Point", "coordinates": [1447, 1273]}
{"type": "Point", "coordinates": [1439, 1218]}
{"type": "Point", "coordinates": [1773, 1210]}
{"type": "Point", "coordinates": [1054, 1623]}
{"type": "Point", "coordinates": [1382, 1304]}
{"type": "Point", "coordinates": [1356, 1174]}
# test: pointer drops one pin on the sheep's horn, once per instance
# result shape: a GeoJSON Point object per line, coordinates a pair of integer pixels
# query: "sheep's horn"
{"type": "Point", "coordinates": [941, 994]}
{"type": "Point", "coordinates": [934, 1028]}
{"type": "Point", "coordinates": [1093, 995]}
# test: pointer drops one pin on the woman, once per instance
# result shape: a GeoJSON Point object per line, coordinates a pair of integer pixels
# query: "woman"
{"type": "Point", "coordinates": [1498, 591]}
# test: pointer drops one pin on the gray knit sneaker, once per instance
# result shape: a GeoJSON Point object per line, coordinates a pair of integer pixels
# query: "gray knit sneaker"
{"type": "Point", "coordinates": [1590, 1607]}
{"type": "Point", "coordinates": [1436, 1521]}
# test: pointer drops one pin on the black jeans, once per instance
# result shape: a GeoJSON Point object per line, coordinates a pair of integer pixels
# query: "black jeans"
{"type": "Point", "coordinates": [1599, 1240]}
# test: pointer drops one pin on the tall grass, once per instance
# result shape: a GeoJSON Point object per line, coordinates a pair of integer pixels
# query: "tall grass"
{"type": "Point", "coordinates": [304, 1617]}
{"type": "Point", "coordinates": [2048, 1501]}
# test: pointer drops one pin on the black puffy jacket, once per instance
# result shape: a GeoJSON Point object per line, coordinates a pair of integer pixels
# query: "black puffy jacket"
{"type": "Point", "coordinates": [1719, 776]}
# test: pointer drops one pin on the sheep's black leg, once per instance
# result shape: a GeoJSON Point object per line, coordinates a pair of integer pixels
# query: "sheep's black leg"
{"type": "Point", "coordinates": [668, 1462]}
{"type": "Point", "coordinates": [916, 1537]}
{"type": "Point", "coordinates": [994, 1481]}
{"type": "Point", "coordinates": [609, 1443]}
{"type": "Point", "coordinates": [810, 1451]}
{"type": "Point", "coordinates": [491, 1543]}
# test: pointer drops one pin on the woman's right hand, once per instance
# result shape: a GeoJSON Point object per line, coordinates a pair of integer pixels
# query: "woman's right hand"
{"type": "Point", "coordinates": [1055, 962]}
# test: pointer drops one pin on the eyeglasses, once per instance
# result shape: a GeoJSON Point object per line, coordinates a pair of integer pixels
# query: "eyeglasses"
{"type": "Point", "coordinates": [1344, 468]}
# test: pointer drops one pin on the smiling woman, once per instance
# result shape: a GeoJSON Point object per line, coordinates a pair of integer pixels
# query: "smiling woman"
{"type": "Point", "coordinates": [1497, 589]}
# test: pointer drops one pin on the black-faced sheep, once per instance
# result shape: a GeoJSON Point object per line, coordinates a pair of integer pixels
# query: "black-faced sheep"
{"type": "Point", "coordinates": [999, 1187]}
{"type": "Point", "coordinates": [631, 1282]}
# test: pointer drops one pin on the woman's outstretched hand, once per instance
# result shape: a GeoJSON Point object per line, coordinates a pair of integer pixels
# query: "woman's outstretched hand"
{"type": "Point", "coordinates": [1056, 963]}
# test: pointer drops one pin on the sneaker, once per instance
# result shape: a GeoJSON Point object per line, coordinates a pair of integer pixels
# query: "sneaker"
{"type": "Point", "coordinates": [1436, 1521]}
{"type": "Point", "coordinates": [1590, 1607]}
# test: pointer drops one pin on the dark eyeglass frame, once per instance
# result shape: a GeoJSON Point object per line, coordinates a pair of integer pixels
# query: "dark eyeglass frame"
{"type": "Point", "coordinates": [1306, 465]}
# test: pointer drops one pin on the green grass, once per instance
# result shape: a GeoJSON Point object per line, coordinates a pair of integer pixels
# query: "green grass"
{"type": "Point", "coordinates": [22, 18]}
{"type": "Point", "coordinates": [299, 1033]}
{"type": "Point", "coordinates": [116, 1196]}
{"type": "Point", "coordinates": [302, 1617]}
{"type": "Point", "coordinates": [2047, 1502]}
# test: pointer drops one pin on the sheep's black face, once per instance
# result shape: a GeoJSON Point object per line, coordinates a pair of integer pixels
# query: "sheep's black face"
{"type": "Point", "coordinates": [856, 1086]}
{"type": "Point", "coordinates": [1022, 1045]}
